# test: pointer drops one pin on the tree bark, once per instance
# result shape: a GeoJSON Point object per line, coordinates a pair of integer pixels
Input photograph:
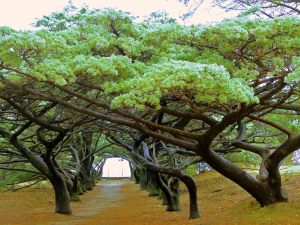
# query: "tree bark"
{"type": "Point", "coordinates": [72, 186]}
{"type": "Point", "coordinates": [58, 181]}
{"type": "Point", "coordinates": [261, 191]}
{"type": "Point", "coordinates": [137, 175]}
{"type": "Point", "coordinates": [152, 186]}
{"type": "Point", "coordinates": [168, 198]}
{"type": "Point", "coordinates": [143, 178]}
{"type": "Point", "coordinates": [192, 188]}
{"type": "Point", "coordinates": [175, 190]}
{"type": "Point", "coordinates": [62, 197]}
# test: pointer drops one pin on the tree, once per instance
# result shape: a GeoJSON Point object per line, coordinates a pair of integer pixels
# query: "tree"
{"type": "Point", "coordinates": [38, 135]}
{"type": "Point", "coordinates": [218, 81]}
{"type": "Point", "coordinates": [265, 8]}
{"type": "Point", "coordinates": [161, 169]}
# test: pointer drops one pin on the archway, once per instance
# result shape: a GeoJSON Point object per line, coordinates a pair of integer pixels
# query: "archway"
{"type": "Point", "coordinates": [116, 168]}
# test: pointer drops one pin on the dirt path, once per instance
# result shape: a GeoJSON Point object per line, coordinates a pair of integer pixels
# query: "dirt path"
{"type": "Point", "coordinates": [123, 203]}
{"type": "Point", "coordinates": [106, 195]}
{"type": "Point", "coordinates": [35, 206]}
{"type": "Point", "coordinates": [135, 207]}
{"type": "Point", "coordinates": [113, 203]}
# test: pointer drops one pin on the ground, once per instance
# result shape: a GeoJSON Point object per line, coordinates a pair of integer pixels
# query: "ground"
{"type": "Point", "coordinates": [122, 203]}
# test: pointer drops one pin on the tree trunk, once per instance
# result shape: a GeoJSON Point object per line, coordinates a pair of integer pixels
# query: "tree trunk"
{"type": "Point", "coordinates": [58, 181]}
{"type": "Point", "coordinates": [167, 193]}
{"type": "Point", "coordinates": [100, 170]}
{"type": "Point", "coordinates": [263, 192]}
{"type": "Point", "coordinates": [79, 187]}
{"type": "Point", "coordinates": [191, 185]}
{"type": "Point", "coordinates": [152, 186]}
{"type": "Point", "coordinates": [162, 197]}
{"type": "Point", "coordinates": [73, 189]}
{"type": "Point", "coordinates": [137, 175]}
{"type": "Point", "coordinates": [263, 172]}
{"type": "Point", "coordinates": [88, 179]}
{"type": "Point", "coordinates": [71, 184]}
{"type": "Point", "coordinates": [87, 162]}
{"type": "Point", "coordinates": [131, 167]}
{"type": "Point", "coordinates": [175, 189]}
{"type": "Point", "coordinates": [82, 184]}
{"type": "Point", "coordinates": [62, 198]}
{"type": "Point", "coordinates": [143, 178]}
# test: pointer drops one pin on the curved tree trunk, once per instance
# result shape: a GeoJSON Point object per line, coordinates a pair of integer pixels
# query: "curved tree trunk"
{"type": "Point", "coordinates": [167, 194]}
{"type": "Point", "coordinates": [58, 181]}
{"type": "Point", "coordinates": [47, 168]}
{"type": "Point", "coordinates": [191, 185]}
{"type": "Point", "coordinates": [62, 197]}
{"type": "Point", "coordinates": [261, 191]}
{"type": "Point", "coordinates": [71, 184]}
{"type": "Point", "coordinates": [263, 172]}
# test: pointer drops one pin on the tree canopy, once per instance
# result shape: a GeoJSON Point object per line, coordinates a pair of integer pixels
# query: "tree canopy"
{"type": "Point", "coordinates": [166, 94]}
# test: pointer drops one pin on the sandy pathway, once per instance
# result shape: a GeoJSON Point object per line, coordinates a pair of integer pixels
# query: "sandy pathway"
{"type": "Point", "coordinates": [123, 203]}
{"type": "Point", "coordinates": [110, 203]}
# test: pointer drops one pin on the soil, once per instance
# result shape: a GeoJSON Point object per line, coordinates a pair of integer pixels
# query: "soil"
{"type": "Point", "coordinates": [123, 203]}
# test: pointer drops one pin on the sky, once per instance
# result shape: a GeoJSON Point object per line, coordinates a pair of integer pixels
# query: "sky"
{"type": "Point", "coordinates": [116, 167]}
{"type": "Point", "coordinates": [19, 14]}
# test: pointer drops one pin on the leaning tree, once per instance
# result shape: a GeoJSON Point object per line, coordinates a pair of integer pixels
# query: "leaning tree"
{"type": "Point", "coordinates": [41, 134]}
{"type": "Point", "coordinates": [221, 80]}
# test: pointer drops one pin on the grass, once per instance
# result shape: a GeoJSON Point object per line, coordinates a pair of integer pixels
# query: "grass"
{"type": "Point", "coordinates": [221, 202]}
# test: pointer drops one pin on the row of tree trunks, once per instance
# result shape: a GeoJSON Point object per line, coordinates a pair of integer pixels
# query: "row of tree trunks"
{"type": "Point", "coordinates": [66, 187]}
{"type": "Point", "coordinates": [164, 179]}
{"type": "Point", "coordinates": [167, 188]}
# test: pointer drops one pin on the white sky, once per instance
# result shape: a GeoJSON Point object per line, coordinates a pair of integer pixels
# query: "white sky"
{"type": "Point", "coordinates": [19, 14]}
{"type": "Point", "coordinates": [116, 167]}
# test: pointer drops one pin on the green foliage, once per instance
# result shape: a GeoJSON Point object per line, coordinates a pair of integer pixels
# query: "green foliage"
{"type": "Point", "coordinates": [191, 170]}
{"type": "Point", "coordinates": [250, 11]}
{"type": "Point", "coordinates": [157, 56]}
{"type": "Point", "coordinates": [140, 65]}
{"type": "Point", "coordinates": [9, 178]}
{"type": "Point", "coordinates": [208, 83]}
{"type": "Point", "coordinates": [11, 58]}
{"type": "Point", "coordinates": [294, 77]}
{"type": "Point", "coordinates": [244, 157]}
{"type": "Point", "coordinates": [290, 121]}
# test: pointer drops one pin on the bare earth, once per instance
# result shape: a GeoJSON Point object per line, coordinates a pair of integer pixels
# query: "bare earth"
{"type": "Point", "coordinates": [122, 203]}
